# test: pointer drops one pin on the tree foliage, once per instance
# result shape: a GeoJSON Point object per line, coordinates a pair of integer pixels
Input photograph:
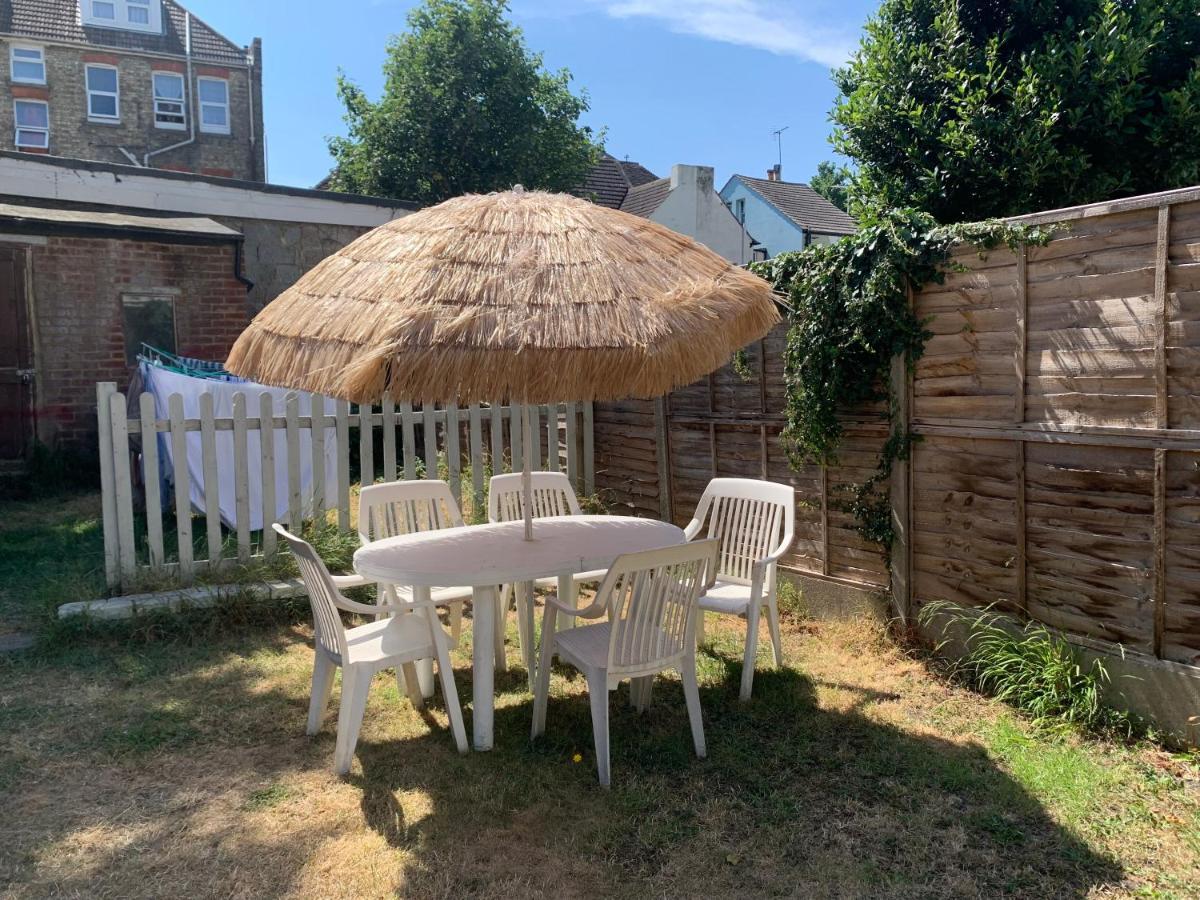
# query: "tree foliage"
{"type": "Point", "coordinates": [968, 109]}
{"type": "Point", "coordinates": [466, 107]}
{"type": "Point", "coordinates": [833, 183]}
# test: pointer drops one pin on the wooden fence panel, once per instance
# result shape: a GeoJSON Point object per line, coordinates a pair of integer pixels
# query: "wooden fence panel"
{"type": "Point", "coordinates": [232, 448]}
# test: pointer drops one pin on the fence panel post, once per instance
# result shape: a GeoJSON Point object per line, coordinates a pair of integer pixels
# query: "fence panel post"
{"type": "Point", "coordinates": [366, 445]}
{"type": "Point", "coordinates": [589, 449]}
{"type": "Point", "coordinates": [573, 445]}
{"type": "Point", "coordinates": [112, 547]}
{"type": "Point", "coordinates": [496, 420]}
{"type": "Point", "coordinates": [429, 421]}
{"type": "Point", "coordinates": [553, 462]}
{"type": "Point", "coordinates": [241, 477]}
{"type": "Point", "coordinates": [407, 417]}
{"type": "Point", "coordinates": [389, 439]}
{"type": "Point", "coordinates": [124, 492]}
{"type": "Point", "coordinates": [453, 452]}
{"type": "Point", "coordinates": [266, 449]}
{"type": "Point", "coordinates": [534, 450]}
{"type": "Point", "coordinates": [212, 485]}
{"type": "Point", "coordinates": [342, 423]}
{"type": "Point", "coordinates": [475, 423]}
{"type": "Point", "coordinates": [151, 472]}
{"type": "Point", "coordinates": [183, 483]}
{"type": "Point", "coordinates": [316, 434]}
{"type": "Point", "coordinates": [516, 437]}
{"type": "Point", "coordinates": [295, 504]}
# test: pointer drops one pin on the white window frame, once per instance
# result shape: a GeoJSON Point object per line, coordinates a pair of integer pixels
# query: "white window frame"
{"type": "Point", "coordinates": [12, 63]}
{"type": "Point", "coordinates": [201, 103]}
{"type": "Point", "coordinates": [116, 95]}
{"type": "Point", "coordinates": [18, 128]}
{"type": "Point", "coordinates": [182, 101]}
{"type": "Point", "coordinates": [131, 5]}
{"type": "Point", "coordinates": [121, 20]}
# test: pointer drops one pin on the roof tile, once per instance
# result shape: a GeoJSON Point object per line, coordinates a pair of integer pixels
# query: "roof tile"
{"type": "Point", "coordinates": [802, 205]}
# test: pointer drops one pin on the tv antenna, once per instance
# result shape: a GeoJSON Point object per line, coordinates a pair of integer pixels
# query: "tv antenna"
{"type": "Point", "coordinates": [779, 143]}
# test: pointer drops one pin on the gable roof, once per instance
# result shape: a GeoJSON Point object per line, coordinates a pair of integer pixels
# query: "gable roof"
{"type": "Point", "coordinates": [643, 199]}
{"type": "Point", "coordinates": [58, 20]}
{"type": "Point", "coordinates": [611, 179]}
{"type": "Point", "coordinates": [800, 203]}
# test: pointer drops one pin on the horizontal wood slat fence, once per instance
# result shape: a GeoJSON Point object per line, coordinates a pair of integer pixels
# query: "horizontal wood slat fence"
{"type": "Point", "coordinates": [1058, 404]}
{"type": "Point", "coordinates": [465, 445]}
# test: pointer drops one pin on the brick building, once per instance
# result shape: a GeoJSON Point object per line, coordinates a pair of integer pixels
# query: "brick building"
{"type": "Point", "coordinates": [140, 82]}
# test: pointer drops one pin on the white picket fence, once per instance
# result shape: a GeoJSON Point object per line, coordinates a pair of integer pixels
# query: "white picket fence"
{"type": "Point", "coordinates": [468, 442]}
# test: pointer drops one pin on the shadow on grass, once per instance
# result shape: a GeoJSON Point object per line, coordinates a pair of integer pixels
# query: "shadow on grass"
{"type": "Point", "coordinates": [794, 799]}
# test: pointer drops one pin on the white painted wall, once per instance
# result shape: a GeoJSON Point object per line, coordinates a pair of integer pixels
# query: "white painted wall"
{"type": "Point", "coordinates": [694, 208]}
{"type": "Point", "coordinates": [765, 223]}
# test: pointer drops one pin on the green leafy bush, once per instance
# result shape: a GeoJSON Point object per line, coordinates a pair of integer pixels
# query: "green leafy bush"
{"type": "Point", "coordinates": [1031, 668]}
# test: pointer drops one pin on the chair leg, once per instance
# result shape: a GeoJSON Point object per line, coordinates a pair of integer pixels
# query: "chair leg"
{"type": "Point", "coordinates": [751, 654]}
{"type": "Point", "coordinates": [424, 667]}
{"type": "Point", "coordinates": [776, 638]}
{"type": "Point", "coordinates": [541, 686]}
{"type": "Point", "coordinates": [529, 642]}
{"type": "Point", "coordinates": [449, 689]}
{"type": "Point", "coordinates": [324, 669]}
{"type": "Point", "coordinates": [568, 592]}
{"type": "Point", "coordinates": [691, 693]}
{"type": "Point", "coordinates": [406, 676]}
{"type": "Point", "coordinates": [598, 698]}
{"type": "Point", "coordinates": [501, 625]}
{"type": "Point", "coordinates": [639, 692]}
{"type": "Point", "coordinates": [456, 616]}
{"type": "Point", "coordinates": [355, 685]}
{"type": "Point", "coordinates": [699, 627]}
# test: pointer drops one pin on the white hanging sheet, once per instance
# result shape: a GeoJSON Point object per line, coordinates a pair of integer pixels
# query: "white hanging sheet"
{"type": "Point", "coordinates": [162, 383]}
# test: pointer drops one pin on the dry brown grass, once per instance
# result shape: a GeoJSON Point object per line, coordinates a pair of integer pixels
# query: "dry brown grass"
{"type": "Point", "coordinates": [182, 770]}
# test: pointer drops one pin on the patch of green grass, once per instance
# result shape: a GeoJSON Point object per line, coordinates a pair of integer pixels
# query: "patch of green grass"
{"type": "Point", "coordinates": [170, 726]}
{"type": "Point", "coordinates": [271, 795]}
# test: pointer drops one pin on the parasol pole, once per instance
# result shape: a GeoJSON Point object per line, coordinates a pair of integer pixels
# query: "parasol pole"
{"type": "Point", "coordinates": [526, 473]}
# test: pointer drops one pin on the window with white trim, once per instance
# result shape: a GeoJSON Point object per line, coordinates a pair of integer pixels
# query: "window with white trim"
{"type": "Point", "coordinates": [128, 15]}
{"type": "Point", "coordinates": [28, 65]}
{"type": "Point", "coordinates": [214, 105]}
{"type": "Point", "coordinates": [32, 119]}
{"type": "Point", "coordinates": [103, 92]}
{"type": "Point", "coordinates": [169, 109]}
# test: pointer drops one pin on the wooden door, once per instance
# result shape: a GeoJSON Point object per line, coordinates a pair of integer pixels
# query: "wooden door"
{"type": "Point", "coordinates": [16, 373]}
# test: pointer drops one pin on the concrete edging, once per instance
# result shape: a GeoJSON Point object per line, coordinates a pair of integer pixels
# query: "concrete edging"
{"type": "Point", "coordinates": [198, 597]}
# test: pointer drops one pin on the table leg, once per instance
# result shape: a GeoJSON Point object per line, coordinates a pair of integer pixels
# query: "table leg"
{"type": "Point", "coordinates": [528, 614]}
{"type": "Point", "coordinates": [483, 666]}
{"type": "Point", "coordinates": [566, 594]}
{"type": "Point", "coordinates": [424, 667]}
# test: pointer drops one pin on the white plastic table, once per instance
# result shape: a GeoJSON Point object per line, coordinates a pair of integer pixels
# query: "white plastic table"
{"type": "Point", "coordinates": [486, 556]}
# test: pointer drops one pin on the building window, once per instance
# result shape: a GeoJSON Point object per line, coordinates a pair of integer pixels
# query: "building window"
{"type": "Point", "coordinates": [28, 65]}
{"type": "Point", "coordinates": [128, 15]}
{"type": "Point", "coordinates": [214, 105]}
{"type": "Point", "coordinates": [168, 101]}
{"type": "Point", "coordinates": [149, 318]}
{"type": "Point", "coordinates": [138, 12]}
{"type": "Point", "coordinates": [104, 101]}
{"type": "Point", "coordinates": [33, 124]}
{"type": "Point", "coordinates": [741, 210]}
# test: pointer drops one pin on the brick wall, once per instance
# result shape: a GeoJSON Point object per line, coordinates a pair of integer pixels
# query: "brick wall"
{"type": "Point", "coordinates": [79, 325]}
{"type": "Point", "coordinates": [239, 154]}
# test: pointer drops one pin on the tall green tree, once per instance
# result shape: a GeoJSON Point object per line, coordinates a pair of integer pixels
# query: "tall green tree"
{"type": "Point", "coordinates": [466, 107]}
{"type": "Point", "coordinates": [975, 108]}
{"type": "Point", "coordinates": [833, 183]}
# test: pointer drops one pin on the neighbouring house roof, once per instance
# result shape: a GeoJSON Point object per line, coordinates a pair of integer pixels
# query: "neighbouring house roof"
{"type": "Point", "coordinates": [801, 204]}
{"type": "Point", "coordinates": [643, 199]}
{"type": "Point", "coordinates": [611, 179]}
{"type": "Point", "coordinates": [40, 219]}
{"type": "Point", "coordinates": [58, 20]}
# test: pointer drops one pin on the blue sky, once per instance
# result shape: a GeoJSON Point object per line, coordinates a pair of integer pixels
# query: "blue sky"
{"type": "Point", "coordinates": [690, 81]}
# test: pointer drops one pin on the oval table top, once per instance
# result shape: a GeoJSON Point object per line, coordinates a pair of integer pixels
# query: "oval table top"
{"type": "Point", "coordinates": [499, 554]}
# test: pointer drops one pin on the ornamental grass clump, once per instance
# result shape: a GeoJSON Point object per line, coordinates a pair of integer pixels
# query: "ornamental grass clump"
{"type": "Point", "coordinates": [1029, 667]}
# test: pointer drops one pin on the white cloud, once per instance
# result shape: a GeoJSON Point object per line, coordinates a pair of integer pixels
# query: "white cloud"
{"type": "Point", "coordinates": [765, 24]}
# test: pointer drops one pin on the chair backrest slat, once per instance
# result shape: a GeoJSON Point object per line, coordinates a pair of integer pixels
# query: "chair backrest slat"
{"type": "Point", "coordinates": [552, 495]}
{"type": "Point", "coordinates": [329, 633]}
{"type": "Point", "coordinates": [749, 519]}
{"type": "Point", "coordinates": [406, 507]}
{"type": "Point", "coordinates": [651, 597]}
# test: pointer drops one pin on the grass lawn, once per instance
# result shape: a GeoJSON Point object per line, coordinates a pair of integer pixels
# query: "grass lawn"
{"type": "Point", "coordinates": [175, 763]}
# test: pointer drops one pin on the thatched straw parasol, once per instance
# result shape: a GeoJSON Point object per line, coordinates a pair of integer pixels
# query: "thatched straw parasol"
{"type": "Point", "coordinates": [520, 296]}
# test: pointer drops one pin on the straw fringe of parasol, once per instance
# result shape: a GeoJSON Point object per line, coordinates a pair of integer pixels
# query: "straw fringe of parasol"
{"type": "Point", "coordinates": [522, 296]}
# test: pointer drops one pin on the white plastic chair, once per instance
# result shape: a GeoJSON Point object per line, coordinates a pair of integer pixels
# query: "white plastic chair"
{"type": "Point", "coordinates": [395, 642]}
{"type": "Point", "coordinates": [406, 507]}
{"type": "Point", "coordinates": [650, 597]}
{"type": "Point", "coordinates": [755, 522]}
{"type": "Point", "coordinates": [552, 495]}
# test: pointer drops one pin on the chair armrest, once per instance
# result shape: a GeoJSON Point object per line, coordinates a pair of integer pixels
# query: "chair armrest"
{"type": "Point", "coordinates": [594, 611]}
{"type": "Point", "coordinates": [371, 609]}
{"type": "Point", "coordinates": [349, 581]}
{"type": "Point", "coordinates": [692, 529]}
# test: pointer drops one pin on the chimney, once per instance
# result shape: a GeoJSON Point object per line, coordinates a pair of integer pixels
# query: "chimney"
{"type": "Point", "coordinates": [775, 173]}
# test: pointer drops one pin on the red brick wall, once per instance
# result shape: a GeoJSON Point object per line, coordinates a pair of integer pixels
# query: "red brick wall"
{"type": "Point", "coordinates": [77, 288]}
